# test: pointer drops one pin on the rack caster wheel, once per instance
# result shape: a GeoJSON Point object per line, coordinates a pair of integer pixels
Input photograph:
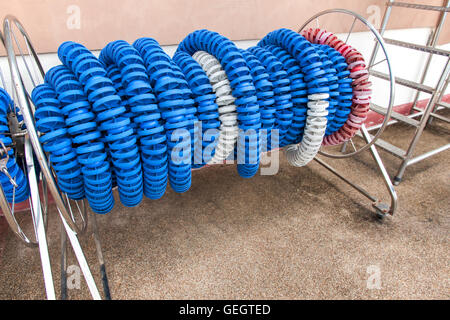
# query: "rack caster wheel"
{"type": "Point", "coordinates": [380, 216]}
{"type": "Point", "coordinates": [381, 210]}
{"type": "Point", "coordinates": [397, 181]}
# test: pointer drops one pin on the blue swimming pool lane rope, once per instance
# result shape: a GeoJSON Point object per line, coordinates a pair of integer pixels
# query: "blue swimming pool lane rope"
{"type": "Point", "coordinates": [137, 118]}
{"type": "Point", "coordinates": [86, 137]}
{"type": "Point", "coordinates": [22, 191]}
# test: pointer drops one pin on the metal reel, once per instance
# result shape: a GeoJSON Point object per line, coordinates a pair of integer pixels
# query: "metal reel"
{"type": "Point", "coordinates": [379, 42]}
{"type": "Point", "coordinates": [21, 52]}
{"type": "Point", "coordinates": [38, 206]}
{"type": "Point", "coordinates": [20, 146]}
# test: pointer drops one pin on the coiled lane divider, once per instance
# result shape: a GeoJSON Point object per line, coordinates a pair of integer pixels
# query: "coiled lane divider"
{"type": "Point", "coordinates": [298, 93]}
{"type": "Point", "coordinates": [191, 116]}
{"type": "Point", "coordinates": [283, 99]}
{"type": "Point", "coordinates": [206, 112]}
{"type": "Point", "coordinates": [56, 141]}
{"type": "Point", "coordinates": [317, 88]}
{"type": "Point", "coordinates": [176, 114]}
{"type": "Point", "coordinates": [15, 171]}
{"type": "Point", "coordinates": [330, 73]}
{"type": "Point", "coordinates": [341, 99]}
{"type": "Point", "coordinates": [112, 118]}
{"type": "Point", "coordinates": [141, 106]}
{"type": "Point", "coordinates": [148, 105]}
{"type": "Point", "coordinates": [241, 82]}
{"type": "Point", "coordinates": [266, 100]}
{"type": "Point", "coordinates": [86, 136]}
{"type": "Point", "coordinates": [361, 84]}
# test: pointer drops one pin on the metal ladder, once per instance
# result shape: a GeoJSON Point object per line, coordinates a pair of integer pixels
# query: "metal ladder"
{"type": "Point", "coordinates": [418, 118]}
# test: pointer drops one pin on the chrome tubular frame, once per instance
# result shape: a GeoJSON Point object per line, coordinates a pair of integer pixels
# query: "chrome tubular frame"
{"type": "Point", "coordinates": [27, 107]}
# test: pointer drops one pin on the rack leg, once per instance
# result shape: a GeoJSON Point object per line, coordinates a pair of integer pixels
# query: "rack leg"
{"type": "Point", "coordinates": [381, 208]}
{"type": "Point", "coordinates": [36, 211]}
{"type": "Point", "coordinates": [45, 258]}
{"type": "Point", "coordinates": [63, 263]}
{"type": "Point", "coordinates": [423, 122]}
{"type": "Point", "coordinates": [81, 259]}
{"type": "Point", "coordinates": [103, 274]}
{"type": "Point", "coordinates": [101, 261]}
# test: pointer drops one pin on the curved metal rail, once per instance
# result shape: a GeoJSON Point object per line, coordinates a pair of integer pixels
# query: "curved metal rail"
{"type": "Point", "coordinates": [27, 109]}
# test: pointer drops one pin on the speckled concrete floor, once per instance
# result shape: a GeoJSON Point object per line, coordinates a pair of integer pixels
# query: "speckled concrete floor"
{"type": "Point", "coordinates": [301, 234]}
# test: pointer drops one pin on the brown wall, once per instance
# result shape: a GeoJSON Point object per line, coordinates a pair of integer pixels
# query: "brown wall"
{"type": "Point", "coordinates": [169, 21]}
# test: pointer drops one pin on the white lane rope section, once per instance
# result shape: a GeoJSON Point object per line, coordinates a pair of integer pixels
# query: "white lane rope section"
{"type": "Point", "coordinates": [225, 100]}
{"type": "Point", "coordinates": [316, 123]}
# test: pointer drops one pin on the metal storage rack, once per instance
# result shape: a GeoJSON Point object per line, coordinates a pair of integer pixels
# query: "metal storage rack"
{"type": "Point", "coordinates": [70, 229]}
{"type": "Point", "coordinates": [418, 118]}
